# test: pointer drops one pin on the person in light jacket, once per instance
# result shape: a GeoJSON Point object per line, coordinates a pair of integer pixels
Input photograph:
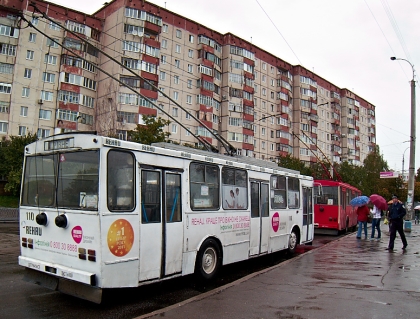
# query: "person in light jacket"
{"type": "Point", "coordinates": [376, 222]}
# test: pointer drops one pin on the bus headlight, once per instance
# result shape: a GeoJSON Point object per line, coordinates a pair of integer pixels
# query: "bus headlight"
{"type": "Point", "coordinates": [61, 221]}
{"type": "Point", "coordinates": [42, 219]}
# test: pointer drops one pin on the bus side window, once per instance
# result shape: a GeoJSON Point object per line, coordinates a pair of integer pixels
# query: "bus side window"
{"type": "Point", "coordinates": [120, 181]}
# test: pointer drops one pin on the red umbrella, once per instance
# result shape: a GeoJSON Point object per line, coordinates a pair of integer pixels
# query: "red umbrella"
{"type": "Point", "coordinates": [378, 201]}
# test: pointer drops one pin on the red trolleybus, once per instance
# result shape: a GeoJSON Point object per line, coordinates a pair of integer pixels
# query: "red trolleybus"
{"type": "Point", "coordinates": [333, 212]}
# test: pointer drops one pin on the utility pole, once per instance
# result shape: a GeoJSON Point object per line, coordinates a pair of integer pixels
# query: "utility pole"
{"type": "Point", "coordinates": [411, 168]}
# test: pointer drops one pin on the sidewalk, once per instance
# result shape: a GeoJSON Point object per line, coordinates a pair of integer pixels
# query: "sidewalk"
{"type": "Point", "coordinates": [347, 278]}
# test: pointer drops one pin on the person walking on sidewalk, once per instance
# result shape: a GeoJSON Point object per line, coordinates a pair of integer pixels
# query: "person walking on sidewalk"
{"type": "Point", "coordinates": [396, 212]}
{"type": "Point", "coordinates": [376, 222]}
{"type": "Point", "coordinates": [362, 218]}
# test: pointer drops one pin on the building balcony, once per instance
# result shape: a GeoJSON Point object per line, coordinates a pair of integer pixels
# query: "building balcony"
{"type": "Point", "coordinates": [152, 27]}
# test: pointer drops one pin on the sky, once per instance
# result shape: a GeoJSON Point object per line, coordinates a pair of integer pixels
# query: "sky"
{"type": "Point", "coordinates": [348, 43]}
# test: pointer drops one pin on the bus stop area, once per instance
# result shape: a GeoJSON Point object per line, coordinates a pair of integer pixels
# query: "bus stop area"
{"type": "Point", "coordinates": [346, 278]}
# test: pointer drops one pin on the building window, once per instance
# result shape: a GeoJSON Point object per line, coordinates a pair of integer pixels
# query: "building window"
{"type": "Point", "coordinates": [5, 88]}
{"type": "Point", "coordinates": [175, 112]}
{"type": "Point", "coordinates": [45, 114]}
{"type": "Point", "coordinates": [190, 68]}
{"type": "Point", "coordinates": [165, 28]}
{"type": "Point", "coordinates": [47, 96]}
{"type": "Point", "coordinates": [35, 21]}
{"type": "Point", "coordinates": [42, 133]}
{"type": "Point", "coordinates": [177, 48]}
{"type": "Point", "coordinates": [54, 26]}
{"type": "Point", "coordinates": [176, 94]}
{"type": "Point", "coordinates": [28, 73]}
{"type": "Point", "coordinates": [52, 43]}
{"type": "Point", "coordinates": [25, 92]}
{"type": "Point", "coordinates": [164, 44]}
{"type": "Point", "coordinates": [24, 111]}
{"type": "Point", "coordinates": [190, 53]}
{"type": "Point", "coordinates": [50, 59]}
{"type": "Point", "coordinates": [29, 55]}
{"type": "Point", "coordinates": [3, 127]}
{"type": "Point", "coordinates": [163, 59]}
{"type": "Point", "coordinates": [189, 99]}
{"type": "Point", "coordinates": [48, 77]}
{"type": "Point", "coordinates": [178, 33]}
{"type": "Point", "coordinates": [32, 37]}
{"type": "Point", "coordinates": [189, 84]}
{"type": "Point", "coordinates": [177, 63]}
{"type": "Point", "coordinates": [162, 76]}
{"type": "Point", "coordinates": [22, 130]}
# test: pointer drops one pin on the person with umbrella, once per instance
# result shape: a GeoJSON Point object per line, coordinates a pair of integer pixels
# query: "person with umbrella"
{"type": "Point", "coordinates": [379, 203]}
{"type": "Point", "coordinates": [396, 213]}
{"type": "Point", "coordinates": [362, 219]}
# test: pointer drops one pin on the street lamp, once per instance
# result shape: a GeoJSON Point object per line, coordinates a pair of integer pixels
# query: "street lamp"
{"type": "Point", "coordinates": [410, 193]}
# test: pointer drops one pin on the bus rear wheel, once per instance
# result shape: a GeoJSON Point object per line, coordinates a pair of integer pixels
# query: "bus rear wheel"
{"type": "Point", "coordinates": [293, 238]}
{"type": "Point", "coordinates": [208, 259]}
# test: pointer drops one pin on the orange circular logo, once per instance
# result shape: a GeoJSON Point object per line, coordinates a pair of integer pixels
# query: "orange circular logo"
{"type": "Point", "coordinates": [120, 237]}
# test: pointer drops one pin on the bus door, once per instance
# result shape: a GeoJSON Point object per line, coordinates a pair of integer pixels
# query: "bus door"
{"type": "Point", "coordinates": [308, 215]}
{"type": "Point", "coordinates": [161, 231]}
{"type": "Point", "coordinates": [260, 219]}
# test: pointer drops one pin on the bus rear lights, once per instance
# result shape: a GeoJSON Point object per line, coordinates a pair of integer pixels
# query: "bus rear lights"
{"type": "Point", "coordinates": [82, 253]}
{"type": "Point", "coordinates": [42, 219]}
{"type": "Point", "coordinates": [61, 221]}
{"type": "Point", "coordinates": [330, 219]}
{"type": "Point", "coordinates": [51, 269]}
{"type": "Point", "coordinates": [91, 255]}
{"type": "Point", "coordinates": [28, 242]}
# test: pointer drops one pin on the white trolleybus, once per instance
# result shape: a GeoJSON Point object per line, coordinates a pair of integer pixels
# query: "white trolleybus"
{"type": "Point", "coordinates": [99, 212]}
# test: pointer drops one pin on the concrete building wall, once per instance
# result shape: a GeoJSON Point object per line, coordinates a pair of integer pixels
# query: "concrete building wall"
{"type": "Point", "coordinates": [262, 105]}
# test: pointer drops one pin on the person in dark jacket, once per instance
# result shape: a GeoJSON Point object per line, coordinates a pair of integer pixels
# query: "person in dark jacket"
{"type": "Point", "coordinates": [396, 212]}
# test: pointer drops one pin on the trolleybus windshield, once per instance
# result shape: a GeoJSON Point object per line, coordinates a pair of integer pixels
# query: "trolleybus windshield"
{"type": "Point", "coordinates": [63, 180]}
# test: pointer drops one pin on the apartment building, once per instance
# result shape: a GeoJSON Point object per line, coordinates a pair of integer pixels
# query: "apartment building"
{"type": "Point", "coordinates": [210, 84]}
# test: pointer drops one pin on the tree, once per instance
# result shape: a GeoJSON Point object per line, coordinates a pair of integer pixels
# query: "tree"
{"type": "Point", "coordinates": [11, 160]}
{"type": "Point", "coordinates": [294, 163]}
{"type": "Point", "coordinates": [373, 164]}
{"type": "Point", "coordinates": [151, 131]}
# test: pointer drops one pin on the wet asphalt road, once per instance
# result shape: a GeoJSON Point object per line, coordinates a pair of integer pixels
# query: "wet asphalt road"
{"type": "Point", "coordinates": [19, 299]}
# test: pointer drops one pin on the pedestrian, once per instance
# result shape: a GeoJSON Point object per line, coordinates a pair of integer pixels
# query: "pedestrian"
{"type": "Point", "coordinates": [396, 212]}
{"type": "Point", "coordinates": [376, 222]}
{"type": "Point", "coordinates": [362, 219]}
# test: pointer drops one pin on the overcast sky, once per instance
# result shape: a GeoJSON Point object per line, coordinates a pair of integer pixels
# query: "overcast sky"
{"type": "Point", "coordinates": [349, 43]}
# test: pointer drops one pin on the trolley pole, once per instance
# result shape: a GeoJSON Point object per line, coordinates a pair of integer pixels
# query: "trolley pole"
{"type": "Point", "coordinates": [411, 168]}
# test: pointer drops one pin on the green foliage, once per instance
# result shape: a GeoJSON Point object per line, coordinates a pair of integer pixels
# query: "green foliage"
{"type": "Point", "coordinates": [291, 162]}
{"type": "Point", "coordinates": [150, 132]}
{"type": "Point", "coordinates": [11, 160]}
{"type": "Point", "coordinates": [9, 201]}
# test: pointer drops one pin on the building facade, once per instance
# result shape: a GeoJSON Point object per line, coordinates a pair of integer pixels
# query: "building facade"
{"type": "Point", "coordinates": [66, 70]}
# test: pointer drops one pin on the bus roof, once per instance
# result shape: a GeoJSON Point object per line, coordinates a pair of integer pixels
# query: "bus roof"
{"type": "Point", "coordinates": [325, 182]}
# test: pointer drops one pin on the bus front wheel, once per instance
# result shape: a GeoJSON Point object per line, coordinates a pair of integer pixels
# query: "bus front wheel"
{"type": "Point", "coordinates": [208, 259]}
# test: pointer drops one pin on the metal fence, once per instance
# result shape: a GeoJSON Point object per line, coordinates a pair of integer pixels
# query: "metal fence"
{"type": "Point", "coordinates": [8, 214]}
